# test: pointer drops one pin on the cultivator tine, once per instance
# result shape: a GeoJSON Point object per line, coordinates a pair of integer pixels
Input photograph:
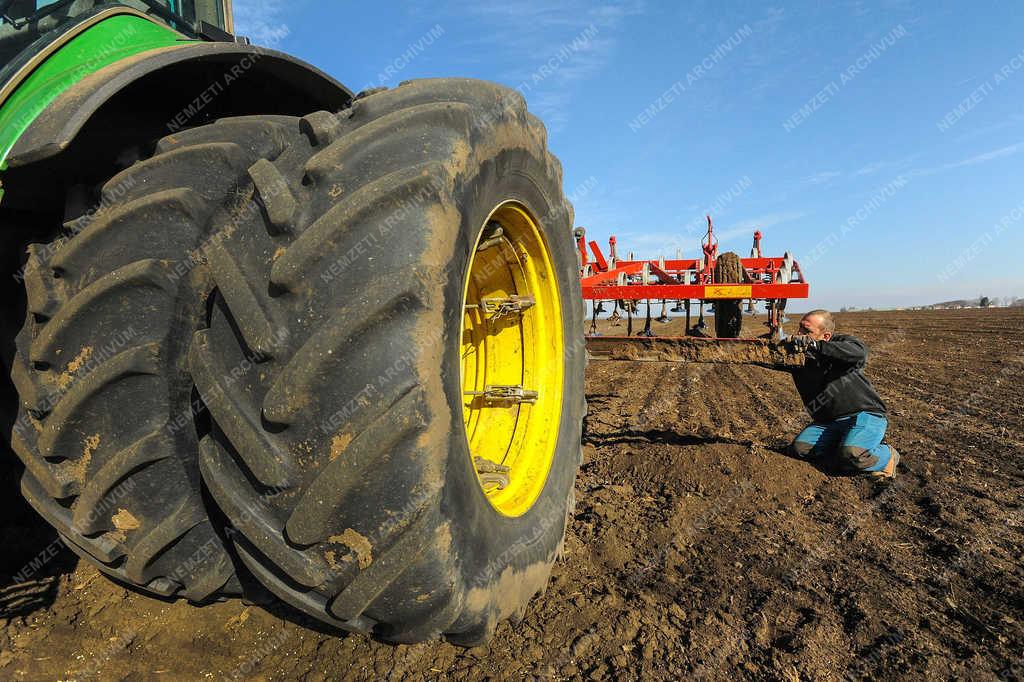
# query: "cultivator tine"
{"type": "Point", "coordinates": [663, 318]}
{"type": "Point", "coordinates": [647, 323]}
{"type": "Point", "coordinates": [701, 324]}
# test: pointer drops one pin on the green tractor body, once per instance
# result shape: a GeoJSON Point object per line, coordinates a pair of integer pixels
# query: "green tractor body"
{"type": "Point", "coordinates": [264, 332]}
{"type": "Point", "coordinates": [48, 49]}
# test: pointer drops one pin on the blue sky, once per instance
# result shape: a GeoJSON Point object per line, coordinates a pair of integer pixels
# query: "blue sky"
{"type": "Point", "coordinates": [881, 142]}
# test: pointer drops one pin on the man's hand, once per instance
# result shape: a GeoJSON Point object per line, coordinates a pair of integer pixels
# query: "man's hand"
{"type": "Point", "coordinates": [803, 343]}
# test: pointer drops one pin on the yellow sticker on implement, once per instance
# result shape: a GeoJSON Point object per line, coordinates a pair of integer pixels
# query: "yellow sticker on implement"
{"type": "Point", "coordinates": [727, 291]}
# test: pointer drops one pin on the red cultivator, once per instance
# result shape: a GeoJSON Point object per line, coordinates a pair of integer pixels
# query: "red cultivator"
{"type": "Point", "coordinates": [725, 281]}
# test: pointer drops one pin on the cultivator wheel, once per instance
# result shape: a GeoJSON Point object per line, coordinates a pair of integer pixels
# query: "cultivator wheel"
{"type": "Point", "coordinates": [728, 312]}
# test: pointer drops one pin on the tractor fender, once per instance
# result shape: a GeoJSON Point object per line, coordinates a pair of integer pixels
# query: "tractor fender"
{"type": "Point", "coordinates": [171, 88]}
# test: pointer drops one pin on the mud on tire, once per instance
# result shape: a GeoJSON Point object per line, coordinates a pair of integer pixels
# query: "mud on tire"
{"type": "Point", "coordinates": [341, 458]}
{"type": "Point", "coordinates": [105, 427]}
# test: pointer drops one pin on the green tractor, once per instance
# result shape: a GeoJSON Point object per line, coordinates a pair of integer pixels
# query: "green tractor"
{"type": "Point", "coordinates": [269, 335]}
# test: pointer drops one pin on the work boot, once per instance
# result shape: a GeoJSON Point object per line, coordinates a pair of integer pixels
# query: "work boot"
{"type": "Point", "coordinates": [890, 468]}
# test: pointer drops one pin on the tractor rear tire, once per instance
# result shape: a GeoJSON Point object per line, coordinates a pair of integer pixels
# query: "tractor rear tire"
{"type": "Point", "coordinates": [728, 312]}
{"type": "Point", "coordinates": [341, 459]}
{"type": "Point", "coordinates": [106, 427]}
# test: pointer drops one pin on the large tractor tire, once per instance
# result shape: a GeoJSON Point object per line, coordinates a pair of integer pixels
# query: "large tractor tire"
{"type": "Point", "coordinates": [728, 312]}
{"type": "Point", "coordinates": [106, 424]}
{"type": "Point", "coordinates": [381, 466]}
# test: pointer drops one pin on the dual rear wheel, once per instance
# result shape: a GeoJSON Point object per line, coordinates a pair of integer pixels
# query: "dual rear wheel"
{"type": "Point", "coordinates": [336, 354]}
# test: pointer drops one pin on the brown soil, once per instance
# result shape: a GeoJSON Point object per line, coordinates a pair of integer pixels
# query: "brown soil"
{"type": "Point", "coordinates": [697, 550]}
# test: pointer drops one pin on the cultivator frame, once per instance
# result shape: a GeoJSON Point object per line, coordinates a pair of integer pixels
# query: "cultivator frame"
{"type": "Point", "coordinates": [627, 282]}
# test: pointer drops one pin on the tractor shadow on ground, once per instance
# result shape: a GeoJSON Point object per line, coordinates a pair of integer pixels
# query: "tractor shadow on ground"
{"type": "Point", "coordinates": [34, 559]}
{"type": "Point", "coordinates": [829, 466]}
{"type": "Point", "coordinates": [282, 610]}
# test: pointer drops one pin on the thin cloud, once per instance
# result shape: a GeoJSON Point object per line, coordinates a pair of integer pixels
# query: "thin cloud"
{"type": "Point", "coordinates": [533, 55]}
{"type": "Point", "coordinates": [821, 177]}
{"type": "Point", "coordinates": [574, 13]}
{"type": "Point", "coordinates": [552, 107]}
{"type": "Point", "coordinates": [871, 168]}
{"type": "Point", "coordinates": [261, 20]}
{"type": "Point", "coordinates": [770, 220]}
{"type": "Point", "coordinates": [1000, 153]}
{"type": "Point", "coordinates": [1013, 120]}
{"type": "Point", "coordinates": [878, 166]}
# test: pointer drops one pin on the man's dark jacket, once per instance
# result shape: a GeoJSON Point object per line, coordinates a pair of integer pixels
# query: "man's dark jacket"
{"type": "Point", "coordinates": [832, 383]}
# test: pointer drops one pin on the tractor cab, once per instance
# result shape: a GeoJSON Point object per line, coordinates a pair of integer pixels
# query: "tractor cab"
{"type": "Point", "coordinates": [22, 22]}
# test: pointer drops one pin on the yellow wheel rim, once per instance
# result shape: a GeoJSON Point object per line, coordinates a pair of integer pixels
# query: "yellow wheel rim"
{"type": "Point", "coordinates": [512, 347]}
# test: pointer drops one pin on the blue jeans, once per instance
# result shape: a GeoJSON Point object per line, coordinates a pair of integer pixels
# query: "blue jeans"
{"type": "Point", "coordinates": [856, 441]}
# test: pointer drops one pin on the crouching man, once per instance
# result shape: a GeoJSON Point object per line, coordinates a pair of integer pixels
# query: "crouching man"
{"type": "Point", "coordinates": [848, 416]}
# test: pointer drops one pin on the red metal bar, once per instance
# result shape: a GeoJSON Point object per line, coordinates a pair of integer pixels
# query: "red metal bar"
{"type": "Point", "coordinates": [685, 264]}
{"type": "Point", "coordinates": [693, 263]}
{"type": "Point", "coordinates": [662, 275]}
{"type": "Point", "coordinates": [602, 264]}
{"type": "Point", "coordinates": [597, 290]}
{"type": "Point", "coordinates": [632, 268]}
{"type": "Point", "coordinates": [671, 277]}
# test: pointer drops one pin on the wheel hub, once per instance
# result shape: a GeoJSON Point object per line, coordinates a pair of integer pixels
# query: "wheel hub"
{"type": "Point", "coordinates": [512, 359]}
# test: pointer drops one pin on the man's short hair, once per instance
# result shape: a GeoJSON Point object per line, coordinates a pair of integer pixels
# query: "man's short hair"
{"type": "Point", "coordinates": [827, 321]}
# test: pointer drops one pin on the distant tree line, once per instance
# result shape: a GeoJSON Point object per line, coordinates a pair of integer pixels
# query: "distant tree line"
{"type": "Point", "coordinates": [980, 302]}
